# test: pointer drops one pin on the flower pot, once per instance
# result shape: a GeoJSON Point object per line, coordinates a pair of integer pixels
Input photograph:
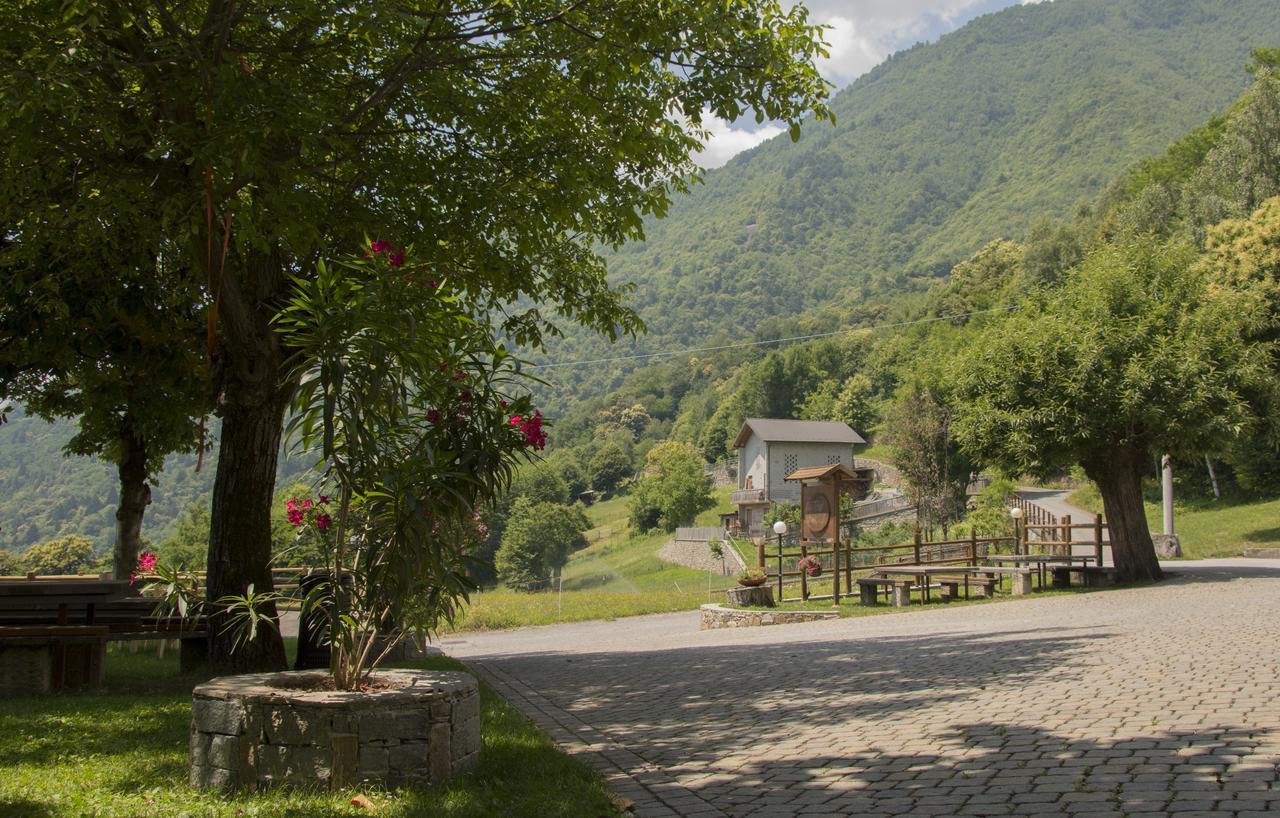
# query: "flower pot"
{"type": "Point", "coordinates": [753, 583]}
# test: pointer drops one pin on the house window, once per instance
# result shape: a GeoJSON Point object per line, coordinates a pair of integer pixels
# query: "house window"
{"type": "Point", "coordinates": [789, 464]}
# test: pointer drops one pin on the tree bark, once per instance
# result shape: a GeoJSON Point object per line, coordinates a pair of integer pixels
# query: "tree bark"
{"type": "Point", "coordinates": [135, 496]}
{"type": "Point", "coordinates": [1118, 475]}
{"type": "Point", "coordinates": [255, 393]}
{"type": "Point", "coordinates": [240, 530]}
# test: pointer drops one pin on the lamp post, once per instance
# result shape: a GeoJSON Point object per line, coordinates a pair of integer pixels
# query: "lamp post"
{"type": "Point", "coordinates": [1016, 514]}
{"type": "Point", "coordinates": [780, 528]}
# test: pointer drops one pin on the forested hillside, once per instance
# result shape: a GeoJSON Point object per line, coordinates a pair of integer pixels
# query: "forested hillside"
{"type": "Point", "coordinates": [1019, 115]}
{"type": "Point", "coordinates": [1204, 200]}
{"type": "Point", "coordinates": [46, 494]}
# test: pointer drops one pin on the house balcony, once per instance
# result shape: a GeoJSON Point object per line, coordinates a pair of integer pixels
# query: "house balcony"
{"type": "Point", "coordinates": [745, 496]}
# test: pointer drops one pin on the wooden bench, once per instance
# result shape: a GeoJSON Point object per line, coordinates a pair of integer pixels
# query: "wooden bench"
{"type": "Point", "coordinates": [869, 590]}
{"type": "Point", "coordinates": [1088, 576]}
{"type": "Point", "coordinates": [984, 584]}
{"type": "Point", "coordinates": [54, 632]}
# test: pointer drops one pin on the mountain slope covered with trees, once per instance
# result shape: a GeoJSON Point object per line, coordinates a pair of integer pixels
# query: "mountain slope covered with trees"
{"type": "Point", "coordinates": [1019, 115]}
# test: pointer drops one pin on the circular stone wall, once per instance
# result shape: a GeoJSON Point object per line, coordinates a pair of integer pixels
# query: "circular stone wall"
{"type": "Point", "coordinates": [270, 729]}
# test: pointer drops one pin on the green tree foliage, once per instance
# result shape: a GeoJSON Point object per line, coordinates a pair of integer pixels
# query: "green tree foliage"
{"type": "Point", "coordinates": [537, 543]}
{"type": "Point", "coordinates": [1244, 254]}
{"type": "Point", "coordinates": [610, 465]}
{"type": "Point", "coordinates": [990, 514]}
{"type": "Point", "coordinates": [186, 548]}
{"type": "Point", "coordinates": [65, 555]}
{"type": "Point", "coordinates": [925, 450]}
{"type": "Point", "coordinates": [1135, 356]}
{"type": "Point", "coordinates": [10, 563]}
{"type": "Point", "coordinates": [672, 490]}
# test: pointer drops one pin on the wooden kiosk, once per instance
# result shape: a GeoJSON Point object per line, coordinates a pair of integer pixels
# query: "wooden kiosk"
{"type": "Point", "coordinates": [821, 488]}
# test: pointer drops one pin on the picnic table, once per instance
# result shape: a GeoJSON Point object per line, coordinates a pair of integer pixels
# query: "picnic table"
{"type": "Point", "coordinates": [54, 631]}
{"type": "Point", "coordinates": [956, 577]}
{"type": "Point", "coordinates": [1041, 562]}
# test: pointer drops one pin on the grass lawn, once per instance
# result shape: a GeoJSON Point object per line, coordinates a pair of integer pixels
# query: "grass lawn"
{"type": "Point", "coordinates": [1208, 528]}
{"type": "Point", "coordinates": [617, 574]}
{"type": "Point", "coordinates": [122, 751]}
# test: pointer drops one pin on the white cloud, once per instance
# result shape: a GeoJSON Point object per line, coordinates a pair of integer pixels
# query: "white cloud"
{"type": "Point", "coordinates": [728, 141]}
{"type": "Point", "coordinates": [860, 34]}
{"type": "Point", "coordinates": [850, 53]}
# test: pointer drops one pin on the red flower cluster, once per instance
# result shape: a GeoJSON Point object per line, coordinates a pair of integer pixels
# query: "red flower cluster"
{"type": "Point", "coordinates": [531, 428]}
{"type": "Point", "coordinates": [296, 510]}
{"type": "Point", "coordinates": [810, 565]}
{"type": "Point", "coordinates": [146, 564]}
{"type": "Point", "coordinates": [394, 257]}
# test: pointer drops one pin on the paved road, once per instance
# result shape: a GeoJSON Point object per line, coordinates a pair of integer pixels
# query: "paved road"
{"type": "Point", "coordinates": [1141, 701]}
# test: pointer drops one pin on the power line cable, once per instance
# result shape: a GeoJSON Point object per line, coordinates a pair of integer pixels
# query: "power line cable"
{"type": "Point", "coordinates": [745, 344]}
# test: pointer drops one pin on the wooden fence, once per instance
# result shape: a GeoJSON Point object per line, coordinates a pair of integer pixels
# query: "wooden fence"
{"type": "Point", "coordinates": [842, 561]}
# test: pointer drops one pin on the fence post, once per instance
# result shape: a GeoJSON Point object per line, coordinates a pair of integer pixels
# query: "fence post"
{"type": "Point", "coordinates": [973, 546]}
{"type": "Point", "coordinates": [1065, 519]}
{"type": "Point", "coordinates": [779, 569]}
{"type": "Point", "coordinates": [1097, 539]}
{"type": "Point", "coordinates": [804, 574]}
{"type": "Point", "coordinates": [760, 554]}
{"type": "Point", "coordinates": [835, 575]}
{"type": "Point", "coordinates": [916, 545]}
{"type": "Point", "coordinates": [848, 567]}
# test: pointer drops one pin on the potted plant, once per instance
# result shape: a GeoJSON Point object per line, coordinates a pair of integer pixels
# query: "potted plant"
{"type": "Point", "coordinates": [412, 408]}
{"type": "Point", "coordinates": [811, 566]}
{"type": "Point", "coordinates": [753, 578]}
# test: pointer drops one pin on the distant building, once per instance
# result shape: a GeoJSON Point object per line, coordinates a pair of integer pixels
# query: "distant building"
{"type": "Point", "coordinates": [769, 450]}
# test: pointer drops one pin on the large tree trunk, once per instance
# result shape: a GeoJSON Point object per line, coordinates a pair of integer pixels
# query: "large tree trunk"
{"type": "Point", "coordinates": [135, 496]}
{"type": "Point", "coordinates": [240, 531]}
{"type": "Point", "coordinates": [255, 394]}
{"type": "Point", "coordinates": [1118, 474]}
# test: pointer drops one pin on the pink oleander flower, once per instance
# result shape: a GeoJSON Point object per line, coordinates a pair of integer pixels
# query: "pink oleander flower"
{"type": "Point", "coordinates": [146, 562]}
{"type": "Point", "coordinates": [324, 499]}
{"type": "Point", "coordinates": [465, 397]}
{"type": "Point", "coordinates": [323, 521]}
{"type": "Point", "coordinates": [531, 428]}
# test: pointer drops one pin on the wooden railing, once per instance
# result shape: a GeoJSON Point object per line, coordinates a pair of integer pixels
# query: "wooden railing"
{"type": "Point", "coordinates": [843, 560]}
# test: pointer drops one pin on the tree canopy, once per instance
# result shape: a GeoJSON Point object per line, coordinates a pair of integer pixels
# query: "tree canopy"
{"type": "Point", "coordinates": [1135, 356]}
{"type": "Point", "coordinates": [505, 142]}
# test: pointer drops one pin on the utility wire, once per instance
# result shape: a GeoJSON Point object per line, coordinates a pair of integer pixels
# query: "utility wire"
{"type": "Point", "coordinates": [744, 344]}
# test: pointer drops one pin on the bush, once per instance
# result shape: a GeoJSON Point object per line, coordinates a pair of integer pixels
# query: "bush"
{"type": "Point", "coordinates": [673, 490]}
{"type": "Point", "coordinates": [65, 555]}
{"type": "Point", "coordinates": [537, 543]}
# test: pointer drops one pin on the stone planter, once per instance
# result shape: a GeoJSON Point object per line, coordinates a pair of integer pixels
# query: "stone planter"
{"type": "Point", "coordinates": [751, 596]}
{"type": "Point", "coordinates": [270, 729]}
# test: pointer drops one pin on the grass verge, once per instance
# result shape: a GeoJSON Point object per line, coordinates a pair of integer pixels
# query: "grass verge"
{"type": "Point", "coordinates": [618, 574]}
{"type": "Point", "coordinates": [122, 751]}
{"type": "Point", "coordinates": [1207, 528]}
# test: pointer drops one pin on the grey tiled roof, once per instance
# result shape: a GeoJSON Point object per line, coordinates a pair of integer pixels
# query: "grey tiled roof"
{"type": "Point", "coordinates": [799, 431]}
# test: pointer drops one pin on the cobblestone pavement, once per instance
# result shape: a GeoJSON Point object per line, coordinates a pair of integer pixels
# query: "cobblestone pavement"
{"type": "Point", "coordinates": [1155, 700]}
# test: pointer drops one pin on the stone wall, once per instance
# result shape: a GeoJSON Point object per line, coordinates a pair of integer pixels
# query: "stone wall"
{"type": "Point", "coordinates": [697, 555]}
{"type": "Point", "coordinates": [718, 616]}
{"type": "Point", "coordinates": [269, 729]}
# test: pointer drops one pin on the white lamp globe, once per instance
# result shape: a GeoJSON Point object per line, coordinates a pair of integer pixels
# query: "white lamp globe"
{"type": "Point", "coordinates": [1015, 513]}
{"type": "Point", "coordinates": [780, 528]}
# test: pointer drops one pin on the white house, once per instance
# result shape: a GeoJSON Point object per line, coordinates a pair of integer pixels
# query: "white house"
{"type": "Point", "coordinates": [769, 450]}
